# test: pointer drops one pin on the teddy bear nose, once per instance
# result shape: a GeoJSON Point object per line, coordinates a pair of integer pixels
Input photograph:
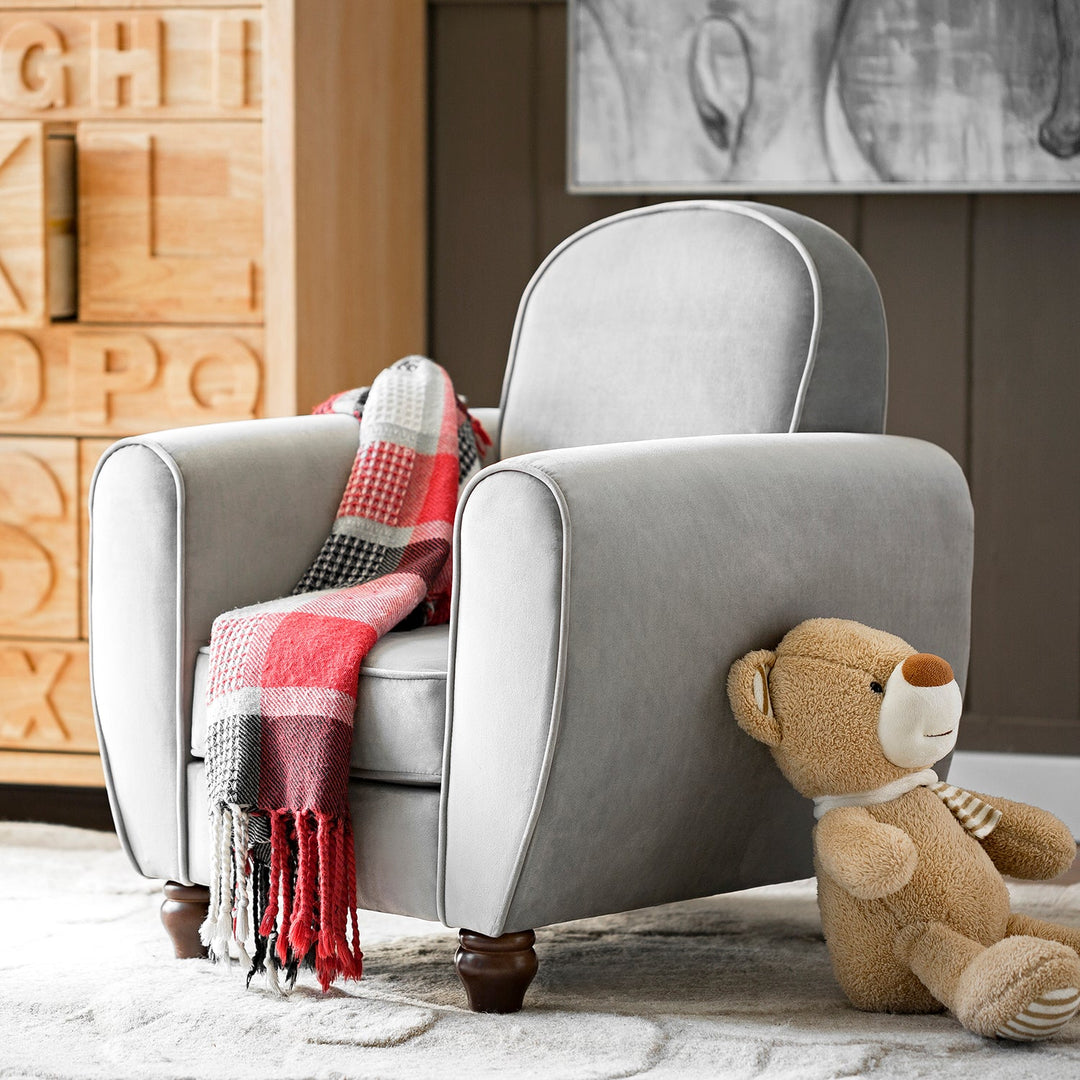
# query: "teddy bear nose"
{"type": "Point", "coordinates": [926, 669]}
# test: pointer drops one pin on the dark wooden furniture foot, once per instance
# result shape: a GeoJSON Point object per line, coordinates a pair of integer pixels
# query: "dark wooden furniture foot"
{"type": "Point", "coordinates": [182, 913]}
{"type": "Point", "coordinates": [496, 971]}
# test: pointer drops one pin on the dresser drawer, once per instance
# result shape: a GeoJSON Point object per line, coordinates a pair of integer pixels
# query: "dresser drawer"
{"type": "Point", "coordinates": [122, 380]}
{"type": "Point", "coordinates": [45, 696]}
{"type": "Point", "coordinates": [37, 226]}
{"type": "Point", "coordinates": [149, 63]}
{"type": "Point", "coordinates": [170, 222]}
{"type": "Point", "coordinates": [39, 537]}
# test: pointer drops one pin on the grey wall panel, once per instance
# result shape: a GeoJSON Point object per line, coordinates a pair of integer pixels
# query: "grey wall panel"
{"type": "Point", "coordinates": [917, 246]}
{"type": "Point", "coordinates": [1025, 468]}
{"type": "Point", "coordinates": [483, 192]}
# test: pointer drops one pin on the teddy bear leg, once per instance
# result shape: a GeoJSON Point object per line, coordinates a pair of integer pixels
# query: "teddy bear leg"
{"type": "Point", "coordinates": [938, 955]}
{"type": "Point", "coordinates": [1021, 988]}
{"type": "Point", "coordinates": [1040, 928]}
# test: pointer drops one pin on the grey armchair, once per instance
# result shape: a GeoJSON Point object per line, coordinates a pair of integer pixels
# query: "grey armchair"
{"type": "Point", "coordinates": [689, 463]}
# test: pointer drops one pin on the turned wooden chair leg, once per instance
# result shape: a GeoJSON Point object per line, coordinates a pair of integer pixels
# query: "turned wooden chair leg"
{"type": "Point", "coordinates": [182, 913]}
{"type": "Point", "coordinates": [497, 971]}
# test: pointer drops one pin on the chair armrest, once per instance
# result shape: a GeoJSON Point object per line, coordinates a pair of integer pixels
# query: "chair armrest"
{"type": "Point", "coordinates": [186, 524]}
{"type": "Point", "coordinates": [592, 763]}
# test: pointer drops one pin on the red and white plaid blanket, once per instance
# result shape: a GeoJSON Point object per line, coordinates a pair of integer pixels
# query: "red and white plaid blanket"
{"type": "Point", "coordinates": [283, 681]}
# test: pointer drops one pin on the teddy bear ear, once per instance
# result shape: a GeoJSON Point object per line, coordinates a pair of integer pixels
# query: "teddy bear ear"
{"type": "Point", "coordinates": [748, 691]}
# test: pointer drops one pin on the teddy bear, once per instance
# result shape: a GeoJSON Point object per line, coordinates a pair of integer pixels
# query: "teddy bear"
{"type": "Point", "coordinates": [909, 869]}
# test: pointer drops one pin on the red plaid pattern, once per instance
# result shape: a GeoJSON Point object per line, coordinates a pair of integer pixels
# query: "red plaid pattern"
{"type": "Point", "coordinates": [283, 679]}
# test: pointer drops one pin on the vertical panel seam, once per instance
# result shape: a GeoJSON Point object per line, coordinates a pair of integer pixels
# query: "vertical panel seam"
{"type": "Point", "coordinates": [969, 408]}
{"type": "Point", "coordinates": [431, 31]}
{"type": "Point", "coordinates": [969, 401]}
{"type": "Point", "coordinates": [969, 335]}
{"type": "Point", "coordinates": [535, 184]}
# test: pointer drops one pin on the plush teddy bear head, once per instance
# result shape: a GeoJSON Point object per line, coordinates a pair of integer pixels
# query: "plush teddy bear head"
{"type": "Point", "coordinates": [845, 708]}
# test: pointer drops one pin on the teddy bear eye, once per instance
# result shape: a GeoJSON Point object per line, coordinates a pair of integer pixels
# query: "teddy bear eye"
{"type": "Point", "coordinates": [877, 687]}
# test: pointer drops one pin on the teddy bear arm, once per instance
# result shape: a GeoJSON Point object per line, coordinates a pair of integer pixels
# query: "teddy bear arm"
{"type": "Point", "coordinates": [867, 858]}
{"type": "Point", "coordinates": [1028, 842]}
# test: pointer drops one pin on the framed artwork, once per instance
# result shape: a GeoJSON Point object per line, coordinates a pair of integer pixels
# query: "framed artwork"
{"type": "Point", "coordinates": [824, 95]}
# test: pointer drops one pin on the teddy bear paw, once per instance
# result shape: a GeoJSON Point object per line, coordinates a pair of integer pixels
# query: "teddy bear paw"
{"type": "Point", "coordinates": [1020, 988]}
{"type": "Point", "coordinates": [1043, 1017]}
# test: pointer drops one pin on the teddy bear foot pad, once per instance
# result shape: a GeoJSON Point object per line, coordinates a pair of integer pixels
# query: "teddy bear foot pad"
{"type": "Point", "coordinates": [1020, 988]}
{"type": "Point", "coordinates": [1043, 1017]}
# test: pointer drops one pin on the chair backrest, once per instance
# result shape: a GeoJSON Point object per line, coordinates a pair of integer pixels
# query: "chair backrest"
{"type": "Point", "coordinates": [695, 318]}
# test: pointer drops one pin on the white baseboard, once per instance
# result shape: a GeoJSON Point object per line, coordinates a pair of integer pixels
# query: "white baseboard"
{"type": "Point", "coordinates": [1051, 781]}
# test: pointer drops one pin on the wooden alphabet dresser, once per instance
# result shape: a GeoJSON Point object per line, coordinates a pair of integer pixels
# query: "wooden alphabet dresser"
{"type": "Point", "coordinates": [208, 211]}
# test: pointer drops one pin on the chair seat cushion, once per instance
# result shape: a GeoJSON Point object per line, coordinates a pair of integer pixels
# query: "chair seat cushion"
{"type": "Point", "coordinates": [400, 708]}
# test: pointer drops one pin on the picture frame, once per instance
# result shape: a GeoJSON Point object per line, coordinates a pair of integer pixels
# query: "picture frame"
{"type": "Point", "coordinates": [735, 96]}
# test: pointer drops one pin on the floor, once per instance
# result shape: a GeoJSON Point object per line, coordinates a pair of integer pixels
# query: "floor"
{"type": "Point", "coordinates": [737, 986]}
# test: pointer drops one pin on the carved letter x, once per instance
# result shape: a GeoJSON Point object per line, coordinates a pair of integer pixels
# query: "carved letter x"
{"type": "Point", "coordinates": [25, 684]}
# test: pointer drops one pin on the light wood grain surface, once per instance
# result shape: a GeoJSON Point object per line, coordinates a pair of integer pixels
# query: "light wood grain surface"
{"type": "Point", "coordinates": [116, 62]}
{"type": "Point", "coordinates": [23, 250]}
{"type": "Point", "coordinates": [78, 379]}
{"type": "Point", "coordinates": [51, 769]}
{"type": "Point", "coordinates": [170, 222]}
{"type": "Point", "coordinates": [45, 696]}
{"type": "Point", "coordinates": [39, 541]}
{"type": "Point", "coordinates": [345, 193]}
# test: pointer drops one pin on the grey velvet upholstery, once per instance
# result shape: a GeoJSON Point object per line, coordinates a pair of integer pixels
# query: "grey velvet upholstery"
{"type": "Point", "coordinates": [625, 579]}
{"type": "Point", "coordinates": [691, 462]}
{"type": "Point", "coordinates": [695, 318]}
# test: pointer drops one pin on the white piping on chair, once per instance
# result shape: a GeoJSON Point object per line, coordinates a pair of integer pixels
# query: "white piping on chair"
{"type": "Point", "coordinates": [739, 208]}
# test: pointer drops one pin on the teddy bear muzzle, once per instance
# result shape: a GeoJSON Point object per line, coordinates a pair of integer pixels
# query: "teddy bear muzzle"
{"type": "Point", "coordinates": [920, 712]}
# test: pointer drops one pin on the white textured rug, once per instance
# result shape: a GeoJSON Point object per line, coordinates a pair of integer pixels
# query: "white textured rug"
{"type": "Point", "coordinates": [733, 986]}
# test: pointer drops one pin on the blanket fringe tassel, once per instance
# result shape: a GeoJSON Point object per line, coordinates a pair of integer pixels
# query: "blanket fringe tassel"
{"type": "Point", "coordinates": [293, 898]}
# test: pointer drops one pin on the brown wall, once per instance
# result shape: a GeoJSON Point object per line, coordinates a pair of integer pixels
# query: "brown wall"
{"type": "Point", "coordinates": [984, 320]}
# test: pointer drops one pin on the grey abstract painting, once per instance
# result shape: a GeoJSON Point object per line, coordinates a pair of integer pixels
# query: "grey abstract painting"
{"type": "Point", "coordinates": [824, 95]}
